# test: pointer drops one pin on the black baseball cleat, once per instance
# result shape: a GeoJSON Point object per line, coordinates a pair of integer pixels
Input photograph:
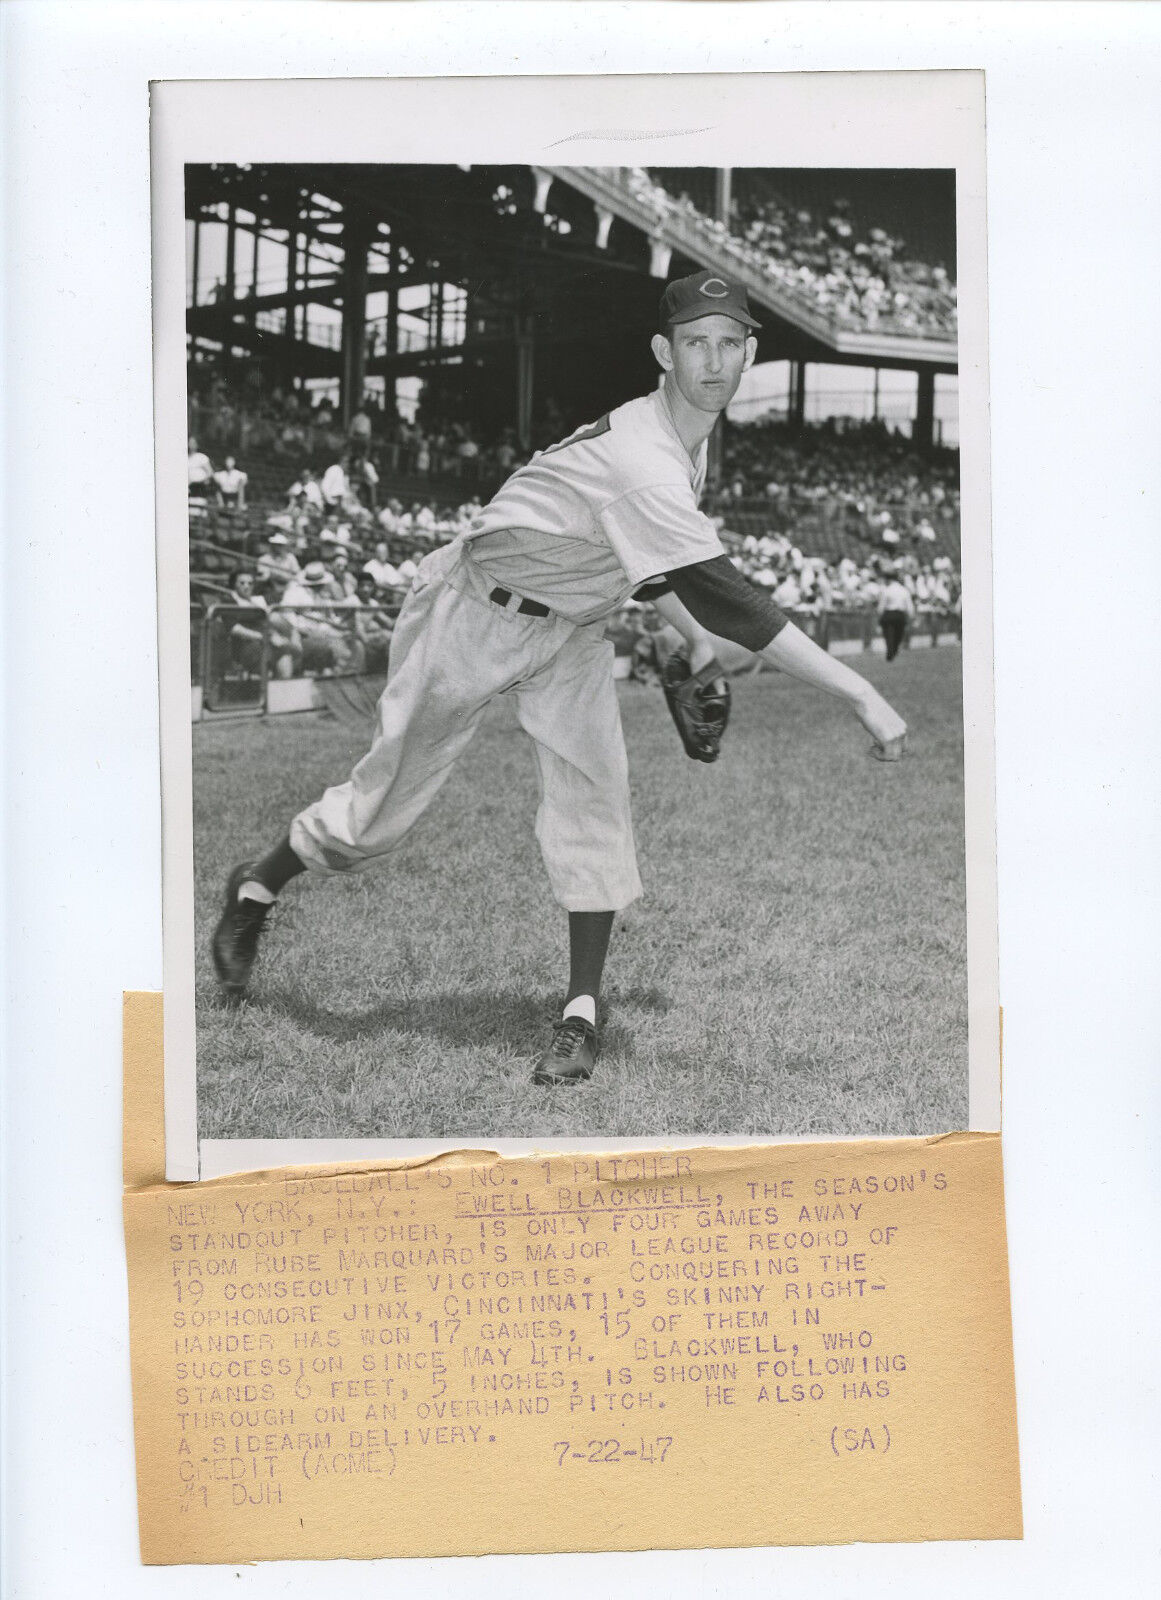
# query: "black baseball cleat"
{"type": "Point", "coordinates": [571, 1056]}
{"type": "Point", "coordinates": [236, 936]}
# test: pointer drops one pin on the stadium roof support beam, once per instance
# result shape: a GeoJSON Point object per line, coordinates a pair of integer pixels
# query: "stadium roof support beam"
{"type": "Point", "coordinates": [295, 271]}
{"type": "Point", "coordinates": [353, 349]}
{"type": "Point", "coordinates": [723, 193]}
{"type": "Point", "coordinates": [525, 375]}
{"type": "Point", "coordinates": [544, 181]}
{"type": "Point", "coordinates": [660, 255]}
{"type": "Point", "coordinates": [231, 250]}
{"type": "Point", "coordinates": [923, 428]}
{"type": "Point", "coordinates": [798, 394]}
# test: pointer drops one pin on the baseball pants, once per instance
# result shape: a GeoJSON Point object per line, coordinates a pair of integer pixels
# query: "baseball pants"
{"type": "Point", "coordinates": [453, 651]}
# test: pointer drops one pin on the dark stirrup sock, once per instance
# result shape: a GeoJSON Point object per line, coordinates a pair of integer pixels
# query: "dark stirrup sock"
{"type": "Point", "coordinates": [588, 944]}
{"type": "Point", "coordinates": [276, 868]}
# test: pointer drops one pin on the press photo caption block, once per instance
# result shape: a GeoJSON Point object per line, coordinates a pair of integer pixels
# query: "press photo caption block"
{"type": "Point", "coordinates": [795, 1344]}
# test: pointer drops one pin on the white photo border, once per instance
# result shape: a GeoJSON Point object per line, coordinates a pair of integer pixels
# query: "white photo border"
{"type": "Point", "coordinates": [829, 119]}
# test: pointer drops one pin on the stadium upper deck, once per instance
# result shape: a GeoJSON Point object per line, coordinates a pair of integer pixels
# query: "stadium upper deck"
{"type": "Point", "coordinates": [860, 299]}
{"type": "Point", "coordinates": [509, 290]}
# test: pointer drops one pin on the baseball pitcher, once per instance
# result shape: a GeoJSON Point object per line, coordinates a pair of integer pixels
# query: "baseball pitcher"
{"type": "Point", "coordinates": [517, 605]}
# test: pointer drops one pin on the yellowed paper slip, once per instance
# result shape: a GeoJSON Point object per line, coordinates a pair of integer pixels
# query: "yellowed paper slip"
{"type": "Point", "coordinates": [796, 1344]}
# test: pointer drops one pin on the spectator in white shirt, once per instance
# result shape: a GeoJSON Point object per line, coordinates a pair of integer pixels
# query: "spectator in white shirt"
{"type": "Point", "coordinates": [306, 491]}
{"type": "Point", "coordinates": [334, 484]}
{"type": "Point", "coordinates": [389, 516]}
{"type": "Point", "coordinates": [379, 566]}
{"type": "Point", "coordinates": [363, 471]}
{"type": "Point", "coordinates": [231, 482]}
{"type": "Point", "coordinates": [334, 530]}
{"type": "Point", "coordinates": [896, 608]}
{"type": "Point", "coordinates": [327, 646]}
{"type": "Point", "coordinates": [200, 470]}
{"type": "Point", "coordinates": [788, 593]}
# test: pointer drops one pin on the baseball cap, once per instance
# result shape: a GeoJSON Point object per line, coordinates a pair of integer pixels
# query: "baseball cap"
{"type": "Point", "coordinates": [704, 294]}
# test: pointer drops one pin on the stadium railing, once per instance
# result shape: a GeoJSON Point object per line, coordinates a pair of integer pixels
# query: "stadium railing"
{"type": "Point", "coordinates": [236, 651]}
{"type": "Point", "coordinates": [835, 628]}
{"type": "Point", "coordinates": [832, 528]}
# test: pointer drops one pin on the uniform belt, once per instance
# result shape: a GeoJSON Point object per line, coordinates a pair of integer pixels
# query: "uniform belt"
{"type": "Point", "coordinates": [528, 608]}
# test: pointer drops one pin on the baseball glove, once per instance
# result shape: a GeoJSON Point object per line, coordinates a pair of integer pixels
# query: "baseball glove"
{"type": "Point", "coordinates": [699, 704]}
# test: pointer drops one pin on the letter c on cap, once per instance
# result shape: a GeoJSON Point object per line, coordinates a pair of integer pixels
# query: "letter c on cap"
{"type": "Point", "coordinates": [715, 288]}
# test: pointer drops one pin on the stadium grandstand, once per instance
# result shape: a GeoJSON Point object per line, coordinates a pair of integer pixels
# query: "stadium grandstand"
{"type": "Point", "coordinates": [372, 349]}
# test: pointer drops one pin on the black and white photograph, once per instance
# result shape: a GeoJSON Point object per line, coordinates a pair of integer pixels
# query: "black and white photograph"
{"type": "Point", "coordinates": [837, 894]}
{"type": "Point", "coordinates": [576, 621]}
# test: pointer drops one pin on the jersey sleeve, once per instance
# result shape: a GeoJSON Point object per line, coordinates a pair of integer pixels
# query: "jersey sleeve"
{"type": "Point", "coordinates": [717, 595]}
{"type": "Point", "coordinates": [653, 530]}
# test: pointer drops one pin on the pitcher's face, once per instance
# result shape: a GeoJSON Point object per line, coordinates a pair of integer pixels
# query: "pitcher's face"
{"type": "Point", "coordinates": [707, 358]}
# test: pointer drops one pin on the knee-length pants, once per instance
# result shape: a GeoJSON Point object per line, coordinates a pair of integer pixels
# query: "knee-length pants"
{"type": "Point", "coordinates": [453, 651]}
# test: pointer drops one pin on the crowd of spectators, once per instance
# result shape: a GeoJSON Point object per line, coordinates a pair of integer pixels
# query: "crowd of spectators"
{"type": "Point", "coordinates": [893, 502]}
{"type": "Point", "coordinates": [321, 616]}
{"type": "Point", "coordinates": [241, 412]}
{"type": "Point", "coordinates": [884, 592]}
{"type": "Point", "coordinates": [873, 479]}
{"type": "Point", "coordinates": [868, 281]}
{"type": "Point", "coordinates": [320, 577]}
{"type": "Point", "coordinates": [317, 577]}
{"type": "Point", "coordinates": [326, 587]}
{"type": "Point", "coordinates": [812, 586]}
{"type": "Point", "coordinates": [861, 279]}
{"type": "Point", "coordinates": [332, 612]}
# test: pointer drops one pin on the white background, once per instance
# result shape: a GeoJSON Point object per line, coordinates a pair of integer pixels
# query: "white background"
{"type": "Point", "coordinates": [1076, 408]}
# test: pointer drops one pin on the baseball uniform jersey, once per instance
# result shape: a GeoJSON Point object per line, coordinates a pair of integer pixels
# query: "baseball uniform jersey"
{"type": "Point", "coordinates": [577, 530]}
{"type": "Point", "coordinates": [590, 519]}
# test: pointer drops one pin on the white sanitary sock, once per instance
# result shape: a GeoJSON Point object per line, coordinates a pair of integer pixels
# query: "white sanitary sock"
{"type": "Point", "coordinates": [583, 1006]}
{"type": "Point", "coordinates": [252, 890]}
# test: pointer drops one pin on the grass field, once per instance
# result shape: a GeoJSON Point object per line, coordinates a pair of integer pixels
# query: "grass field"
{"type": "Point", "coordinates": [796, 967]}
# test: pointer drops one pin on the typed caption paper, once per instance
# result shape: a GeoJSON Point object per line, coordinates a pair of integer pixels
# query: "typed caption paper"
{"type": "Point", "coordinates": [795, 1344]}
